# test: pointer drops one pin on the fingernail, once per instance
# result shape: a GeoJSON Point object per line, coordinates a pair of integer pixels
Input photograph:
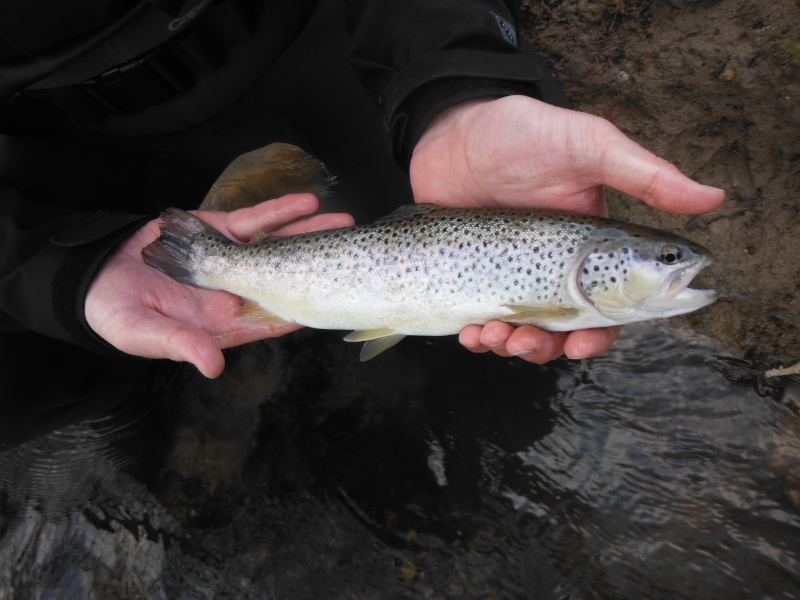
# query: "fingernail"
{"type": "Point", "coordinates": [582, 352]}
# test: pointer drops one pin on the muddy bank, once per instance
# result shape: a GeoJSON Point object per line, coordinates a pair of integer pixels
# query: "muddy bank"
{"type": "Point", "coordinates": [713, 87]}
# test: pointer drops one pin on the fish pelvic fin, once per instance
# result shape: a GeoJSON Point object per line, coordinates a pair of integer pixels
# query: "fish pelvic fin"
{"type": "Point", "coordinates": [538, 315]}
{"type": "Point", "coordinates": [171, 253]}
{"type": "Point", "coordinates": [377, 340]}
{"type": "Point", "coordinates": [265, 173]}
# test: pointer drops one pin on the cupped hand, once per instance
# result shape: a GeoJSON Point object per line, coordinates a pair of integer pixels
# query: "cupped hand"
{"type": "Point", "coordinates": [521, 152]}
{"type": "Point", "coordinates": [141, 311]}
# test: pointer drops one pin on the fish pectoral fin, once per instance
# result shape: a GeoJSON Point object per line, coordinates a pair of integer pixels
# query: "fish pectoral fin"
{"type": "Point", "coordinates": [620, 313]}
{"type": "Point", "coordinates": [377, 340]}
{"type": "Point", "coordinates": [255, 313]}
{"type": "Point", "coordinates": [538, 315]}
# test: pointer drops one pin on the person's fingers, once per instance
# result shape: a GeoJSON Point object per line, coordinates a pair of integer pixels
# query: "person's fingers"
{"type": "Point", "coordinates": [590, 342]}
{"type": "Point", "coordinates": [629, 168]}
{"type": "Point", "coordinates": [535, 345]}
{"type": "Point", "coordinates": [317, 223]}
{"type": "Point", "coordinates": [470, 338]}
{"type": "Point", "coordinates": [270, 215]}
{"type": "Point", "coordinates": [527, 342]}
{"type": "Point", "coordinates": [494, 336]}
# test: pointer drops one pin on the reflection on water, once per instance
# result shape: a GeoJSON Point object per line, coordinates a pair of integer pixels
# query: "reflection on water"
{"type": "Point", "coordinates": [427, 473]}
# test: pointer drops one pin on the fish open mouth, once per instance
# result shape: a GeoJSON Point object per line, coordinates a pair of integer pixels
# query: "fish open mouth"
{"type": "Point", "coordinates": [680, 294]}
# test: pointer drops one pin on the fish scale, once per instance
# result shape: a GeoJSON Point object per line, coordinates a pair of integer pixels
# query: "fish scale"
{"type": "Point", "coordinates": [429, 270]}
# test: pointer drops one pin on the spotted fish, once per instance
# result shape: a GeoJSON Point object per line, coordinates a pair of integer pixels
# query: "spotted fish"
{"type": "Point", "coordinates": [429, 270]}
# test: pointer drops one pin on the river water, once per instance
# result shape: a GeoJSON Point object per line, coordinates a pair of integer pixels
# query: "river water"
{"type": "Point", "coordinates": [661, 470]}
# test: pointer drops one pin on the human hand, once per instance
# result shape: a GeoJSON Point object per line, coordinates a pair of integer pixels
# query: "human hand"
{"type": "Point", "coordinates": [521, 152]}
{"type": "Point", "coordinates": [142, 312]}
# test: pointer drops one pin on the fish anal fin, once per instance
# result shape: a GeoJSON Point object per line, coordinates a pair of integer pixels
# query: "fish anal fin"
{"type": "Point", "coordinates": [539, 315]}
{"type": "Point", "coordinates": [255, 313]}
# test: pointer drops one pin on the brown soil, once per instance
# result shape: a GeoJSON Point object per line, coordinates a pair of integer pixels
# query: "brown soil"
{"type": "Point", "coordinates": [714, 87]}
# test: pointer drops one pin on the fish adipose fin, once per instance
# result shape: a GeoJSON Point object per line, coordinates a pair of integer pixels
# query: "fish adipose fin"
{"type": "Point", "coordinates": [377, 340]}
{"type": "Point", "coordinates": [536, 315]}
{"type": "Point", "coordinates": [254, 312]}
{"type": "Point", "coordinates": [259, 235]}
{"type": "Point", "coordinates": [170, 253]}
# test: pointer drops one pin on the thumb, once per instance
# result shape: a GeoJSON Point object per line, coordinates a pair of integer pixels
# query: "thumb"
{"type": "Point", "coordinates": [162, 337]}
{"type": "Point", "coordinates": [199, 348]}
{"type": "Point", "coordinates": [631, 169]}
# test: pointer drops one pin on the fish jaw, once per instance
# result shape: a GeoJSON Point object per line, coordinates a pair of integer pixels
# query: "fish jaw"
{"type": "Point", "coordinates": [674, 298]}
{"type": "Point", "coordinates": [680, 297]}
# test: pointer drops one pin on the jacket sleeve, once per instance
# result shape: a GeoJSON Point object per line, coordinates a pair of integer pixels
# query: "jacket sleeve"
{"type": "Point", "coordinates": [419, 57]}
{"type": "Point", "coordinates": [48, 257]}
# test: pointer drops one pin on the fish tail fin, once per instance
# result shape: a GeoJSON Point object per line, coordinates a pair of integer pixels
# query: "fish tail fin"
{"type": "Point", "coordinates": [171, 253]}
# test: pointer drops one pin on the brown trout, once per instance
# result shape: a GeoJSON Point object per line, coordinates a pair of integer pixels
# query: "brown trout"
{"type": "Point", "coordinates": [429, 270]}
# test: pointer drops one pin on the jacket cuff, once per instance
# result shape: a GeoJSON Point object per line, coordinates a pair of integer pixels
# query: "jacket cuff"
{"type": "Point", "coordinates": [85, 250]}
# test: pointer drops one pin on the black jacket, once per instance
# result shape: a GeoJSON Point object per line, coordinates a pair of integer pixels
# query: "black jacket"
{"type": "Point", "coordinates": [413, 57]}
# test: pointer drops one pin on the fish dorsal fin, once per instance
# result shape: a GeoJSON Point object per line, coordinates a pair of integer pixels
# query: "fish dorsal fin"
{"type": "Point", "coordinates": [539, 315]}
{"type": "Point", "coordinates": [254, 312]}
{"type": "Point", "coordinates": [377, 340]}
{"type": "Point", "coordinates": [408, 211]}
{"type": "Point", "coordinates": [269, 172]}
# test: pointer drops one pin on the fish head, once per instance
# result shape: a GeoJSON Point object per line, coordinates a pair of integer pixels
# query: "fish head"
{"type": "Point", "coordinates": [643, 274]}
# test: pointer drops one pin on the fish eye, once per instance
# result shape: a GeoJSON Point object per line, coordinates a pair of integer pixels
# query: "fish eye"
{"type": "Point", "coordinates": [670, 255]}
